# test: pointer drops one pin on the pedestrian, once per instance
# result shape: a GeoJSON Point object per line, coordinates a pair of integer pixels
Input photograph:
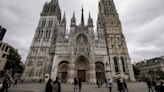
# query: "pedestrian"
{"type": "Point", "coordinates": [101, 82]}
{"type": "Point", "coordinates": [161, 87]}
{"type": "Point", "coordinates": [5, 84]}
{"type": "Point", "coordinates": [97, 82]}
{"type": "Point", "coordinates": [40, 81]}
{"type": "Point", "coordinates": [157, 87]}
{"type": "Point", "coordinates": [56, 86]}
{"type": "Point", "coordinates": [75, 84]}
{"type": "Point", "coordinates": [149, 84]}
{"type": "Point", "coordinates": [106, 82]}
{"type": "Point", "coordinates": [125, 85]}
{"type": "Point", "coordinates": [79, 83]}
{"type": "Point", "coordinates": [15, 82]}
{"type": "Point", "coordinates": [110, 85]}
{"type": "Point", "coordinates": [49, 86]}
{"type": "Point", "coordinates": [120, 85]}
{"type": "Point", "coordinates": [154, 85]}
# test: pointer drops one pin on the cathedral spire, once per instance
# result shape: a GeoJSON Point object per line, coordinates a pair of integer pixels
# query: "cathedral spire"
{"type": "Point", "coordinates": [99, 21]}
{"type": "Point", "coordinates": [82, 17]}
{"type": "Point", "coordinates": [73, 20]}
{"type": "Point", "coordinates": [73, 15]}
{"type": "Point", "coordinates": [90, 15]}
{"type": "Point", "coordinates": [52, 8]}
{"type": "Point", "coordinates": [108, 7]}
{"type": "Point", "coordinates": [54, 2]}
{"type": "Point", "coordinates": [63, 21]}
{"type": "Point", "coordinates": [90, 20]}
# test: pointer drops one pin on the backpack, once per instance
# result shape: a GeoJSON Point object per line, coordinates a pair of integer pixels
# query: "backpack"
{"type": "Point", "coordinates": [55, 87]}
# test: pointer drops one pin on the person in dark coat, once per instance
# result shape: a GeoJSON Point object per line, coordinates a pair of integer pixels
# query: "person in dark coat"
{"type": "Point", "coordinates": [75, 84]}
{"type": "Point", "coordinates": [161, 86]}
{"type": "Point", "coordinates": [79, 82]}
{"type": "Point", "coordinates": [125, 85]}
{"type": "Point", "coordinates": [120, 85]}
{"type": "Point", "coordinates": [49, 86]}
{"type": "Point", "coordinates": [154, 85]}
{"type": "Point", "coordinates": [56, 86]}
{"type": "Point", "coordinates": [5, 84]}
{"type": "Point", "coordinates": [97, 82]}
{"type": "Point", "coordinates": [149, 84]}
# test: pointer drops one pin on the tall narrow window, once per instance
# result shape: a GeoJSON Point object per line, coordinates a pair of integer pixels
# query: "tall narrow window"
{"type": "Point", "coordinates": [46, 33]}
{"type": "Point", "coordinates": [116, 64]}
{"type": "Point", "coordinates": [6, 49]}
{"type": "Point", "coordinates": [50, 23]}
{"type": "Point", "coordinates": [41, 33]}
{"type": "Point", "coordinates": [123, 64]}
{"type": "Point", "coordinates": [38, 33]}
{"type": "Point", "coordinates": [3, 47]}
{"type": "Point", "coordinates": [43, 22]}
{"type": "Point", "coordinates": [49, 33]}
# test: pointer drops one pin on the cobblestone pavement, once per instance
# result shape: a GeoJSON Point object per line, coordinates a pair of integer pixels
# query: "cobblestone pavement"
{"type": "Point", "coordinates": [36, 87]}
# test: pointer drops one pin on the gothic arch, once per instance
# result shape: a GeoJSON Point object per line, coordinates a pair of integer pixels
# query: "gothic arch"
{"type": "Point", "coordinates": [81, 63]}
{"type": "Point", "coordinates": [63, 70]}
{"type": "Point", "coordinates": [31, 72]}
{"type": "Point", "coordinates": [82, 68]}
{"type": "Point", "coordinates": [116, 64]}
{"type": "Point", "coordinates": [43, 22]}
{"type": "Point", "coordinates": [124, 64]}
{"type": "Point", "coordinates": [30, 63]}
{"type": "Point", "coordinates": [100, 71]}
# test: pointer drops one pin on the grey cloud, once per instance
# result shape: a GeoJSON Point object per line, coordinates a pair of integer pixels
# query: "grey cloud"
{"type": "Point", "coordinates": [142, 22]}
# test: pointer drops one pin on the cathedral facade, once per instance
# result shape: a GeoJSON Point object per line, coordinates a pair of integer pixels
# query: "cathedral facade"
{"type": "Point", "coordinates": [83, 52]}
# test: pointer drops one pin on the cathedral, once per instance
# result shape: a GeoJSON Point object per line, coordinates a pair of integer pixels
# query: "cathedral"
{"type": "Point", "coordinates": [80, 51]}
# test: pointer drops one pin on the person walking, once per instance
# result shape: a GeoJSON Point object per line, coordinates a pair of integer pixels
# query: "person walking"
{"type": "Point", "coordinates": [161, 86]}
{"type": "Point", "coordinates": [120, 85]}
{"type": "Point", "coordinates": [5, 84]}
{"type": "Point", "coordinates": [15, 82]}
{"type": "Point", "coordinates": [40, 81]}
{"type": "Point", "coordinates": [110, 85]}
{"type": "Point", "coordinates": [75, 84]}
{"type": "Point", "coordinates": [106, 83]}
{"type": "Point", "coordinates": [79, 83]}
{"type": "Point", "coordinates": [125, 85]}
{"type": "Point", "coordinates": [49, 86]}
{"type": "Point", "coordinates": [149, 84]}
{"type": "Point", "coordinates": [157, 88]}
{"type": "Point", "coordinates": [97, 82]}
{"type": "Point", "coordinates": [56, 86]}
{"type": "Point", "coordinates": [154, 85]}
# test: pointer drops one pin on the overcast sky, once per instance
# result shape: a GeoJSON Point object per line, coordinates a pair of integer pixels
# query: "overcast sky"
{"type": "Point", "coordinates": [142, 23]}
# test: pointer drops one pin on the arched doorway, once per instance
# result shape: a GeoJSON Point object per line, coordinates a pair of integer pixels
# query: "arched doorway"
{"type": "Point", "coordinates": [63, 71]}
{"type": "Point", "coordinates": [81, 68]}
{"type": "Point", "coordinates": [100, 71]}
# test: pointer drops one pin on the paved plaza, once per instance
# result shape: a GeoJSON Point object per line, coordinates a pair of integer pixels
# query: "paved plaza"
{"type": "Point", "coordinates": [37, 87]}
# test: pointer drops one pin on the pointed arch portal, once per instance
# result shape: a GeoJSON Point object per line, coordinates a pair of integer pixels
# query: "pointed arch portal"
{"type": "Point", "coordinates": [100, 71]}
{"type": "Point", "coordinates": [82, 68]}
{"type": "Point", "coordinates": [63, 70]}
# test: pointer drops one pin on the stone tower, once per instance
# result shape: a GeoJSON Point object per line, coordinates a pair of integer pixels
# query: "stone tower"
{"type": "Point", "coordinates": [39, 59]}
{"type": "Point", "coordinates": [82, 53]}
{"type": "Point", "coordinates": [115, 41]}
